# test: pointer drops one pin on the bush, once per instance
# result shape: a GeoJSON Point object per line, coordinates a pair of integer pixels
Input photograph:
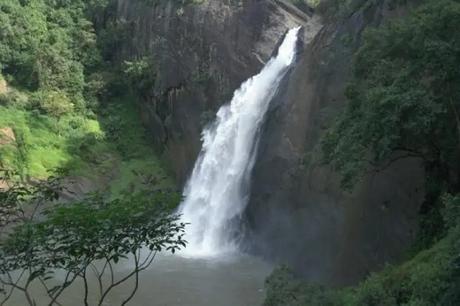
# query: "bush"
{"type": "Point", "coordinates": [140, 73]}
{"type": "Point", "coordinates": [54, 103]}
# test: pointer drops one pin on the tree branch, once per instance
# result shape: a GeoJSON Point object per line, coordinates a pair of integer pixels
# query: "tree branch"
{"type": "Point", "coordinates": [136, 282]}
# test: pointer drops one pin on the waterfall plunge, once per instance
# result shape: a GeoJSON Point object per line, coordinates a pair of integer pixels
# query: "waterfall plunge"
{"type": "Point", "coordinates": [217, 190]}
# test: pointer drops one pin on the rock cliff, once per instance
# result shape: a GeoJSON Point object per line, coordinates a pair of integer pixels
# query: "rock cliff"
{"type": "Point", "coordinates": [297, 213]}
{"type": "Point", "coordinates": [203, 53]}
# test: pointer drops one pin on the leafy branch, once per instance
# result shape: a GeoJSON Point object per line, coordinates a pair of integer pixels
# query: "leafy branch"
{"type": "Point", "coordinates": [80, 237]}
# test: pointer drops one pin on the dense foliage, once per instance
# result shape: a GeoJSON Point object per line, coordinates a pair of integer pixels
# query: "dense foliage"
{"type": "Point", "coordinates": [404, 102]}
{"type": "Point", "coordinates": [63, 105]}
{"type": "Point", "coordinates": [72, 118]}
{"type": "Point", "coordinates": [47, 46]}
{"type": "Point", "coordinates": [404, 98]}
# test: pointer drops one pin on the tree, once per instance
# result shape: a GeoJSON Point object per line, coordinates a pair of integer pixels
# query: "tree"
{"type": "Point", "coordinates": [84, 238]}
{"type": "Point", "coordinates": [140, 74]}
{"type": "Point", "coordinates": [404, 99]}
{"type": "Point", "coordinates": [49, 45]}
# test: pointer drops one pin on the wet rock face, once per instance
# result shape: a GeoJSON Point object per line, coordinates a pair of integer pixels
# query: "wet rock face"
{"type": "Point", "coordinates": [203, 53]}
{"type": "Point", "coordinates": [297, 213]}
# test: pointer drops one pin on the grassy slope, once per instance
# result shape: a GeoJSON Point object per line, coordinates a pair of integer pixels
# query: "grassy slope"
{"type": "Point", "coordinates": [137, 161]}
{"type": "Point", "coordinates": [45, 143]}
{"type": "Point", "coordinates": [111, 145]}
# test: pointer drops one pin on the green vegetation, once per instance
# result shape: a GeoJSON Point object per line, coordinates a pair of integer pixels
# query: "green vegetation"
{"type": "Point", "coordinates": [63, 105]}
{"type": "Point", "coordinates": [66, 106]}
{"type": "Point", "coordinates": [110, 145]}
{"type": "Point", "coordinates": [81, 239]}
{"type": "Point", "coordinates": [46, 49]}
{"type": "Point", "coordinates": [47, 46]}
{"type": "Point", "coordinates": [137, 164]}
{"type": "Point", "coordinates": [404, 96]}
{"type": "Point", "coordinates": [403, 101]}
{"type": "Point", "coordinates": [43, 142]}
{"type": "Point", "coordinates": [140, 74]}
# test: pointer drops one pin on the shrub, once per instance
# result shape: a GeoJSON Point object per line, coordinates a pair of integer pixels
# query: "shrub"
{"type": "Point", "coordinates": [54, 103]}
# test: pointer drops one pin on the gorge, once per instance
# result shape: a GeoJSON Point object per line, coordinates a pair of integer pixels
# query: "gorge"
{"type": "Point", "coordinates": [229, 152]}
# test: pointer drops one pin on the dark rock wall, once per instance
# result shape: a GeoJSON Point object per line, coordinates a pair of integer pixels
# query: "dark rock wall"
{"type": "Point", "coordinates": [203, 53]}
{"type": "Point", "coordinates": [297, 213]}
{"type": "Point", "coordinates": [300, 214]}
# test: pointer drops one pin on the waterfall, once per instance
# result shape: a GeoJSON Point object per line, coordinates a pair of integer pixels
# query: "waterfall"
{"type": "Point", "coordinates": [217, 191]}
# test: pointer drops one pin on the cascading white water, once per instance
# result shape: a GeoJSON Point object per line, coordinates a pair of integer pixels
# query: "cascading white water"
{"type": "Point", "coordinates": [217, 190]}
